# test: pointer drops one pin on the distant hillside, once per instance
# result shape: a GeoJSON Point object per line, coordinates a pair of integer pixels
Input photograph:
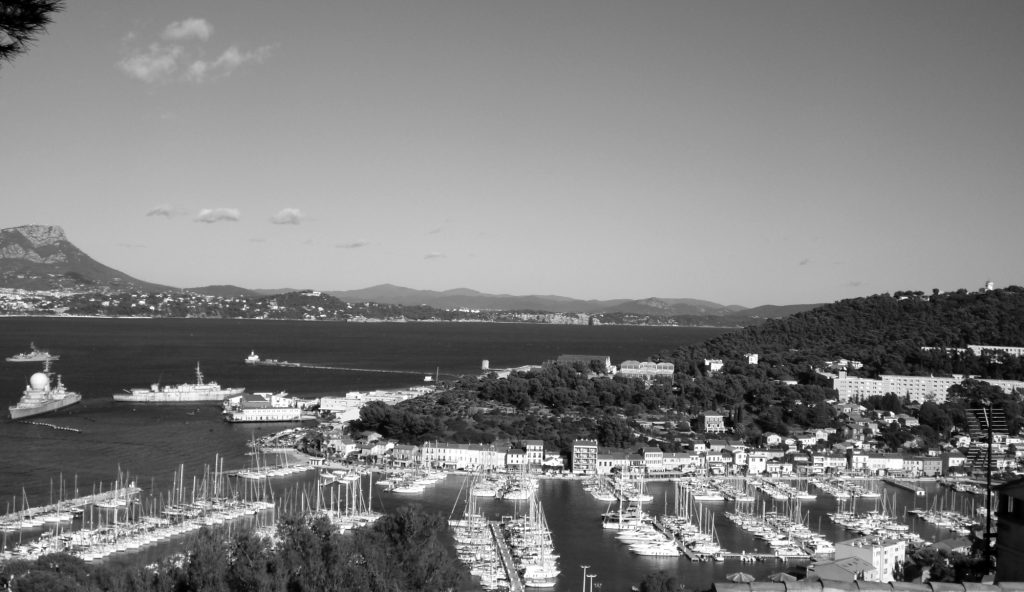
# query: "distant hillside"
{"type": "Point", "coordinates": [472, 299]}
{"type": "Point", "coordinates": [884, 332]}
{"type": "Point", "coordinates": [226, 291]}
{"type": "Point", "coordinates": [38, 257]}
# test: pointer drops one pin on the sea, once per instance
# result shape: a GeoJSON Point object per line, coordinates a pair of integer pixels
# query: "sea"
{"type": "Point", "coordinates": [90, 446]}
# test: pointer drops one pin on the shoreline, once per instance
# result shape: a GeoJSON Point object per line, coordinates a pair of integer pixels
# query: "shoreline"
{"type": "Point", "coordinates": [371, 321]}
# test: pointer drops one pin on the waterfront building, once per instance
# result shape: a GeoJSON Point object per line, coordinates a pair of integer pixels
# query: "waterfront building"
{"type": "Point", "coordinates": [752, 359]}
{"type": "Point", "coordinates": [609, 461]}
{"type": "Point", "coordinates": [881, 553]}
{"type": "Point", "coordinates": [739, 456]}
{"type": "Point", "coordinates": [339, 443]}
{"type": "Point", "coordinates": [584, 457]}
{"type": "Point", "coordinates": [534, 452]}
{"type": "Point", "coordinates": [923, 466]}
{"type": "Point", "coordinates": [405, 455]}
{"type": "Point", "coordinates": [1010, 542]}
{"type": "Point", "coordinates": [880, 463]}
{"type": "Point", "coordinates": [476, 456]}
{"type": "Point", "coordinates": [684, 462]}
{"type": "Point", "coordinates": [827, 462]}
{"type": "Point", "coordinates": [772, 439]}
{"type": "Point", "coordinates": [954, 459]}
{"type": "Point", "coordinates": [653, 457]}
{"type": "Point", "coordinates": [515, 458]}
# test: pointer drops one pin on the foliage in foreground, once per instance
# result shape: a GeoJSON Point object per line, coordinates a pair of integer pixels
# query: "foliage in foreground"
{"type": "Point", "coordinates": [402, 551]}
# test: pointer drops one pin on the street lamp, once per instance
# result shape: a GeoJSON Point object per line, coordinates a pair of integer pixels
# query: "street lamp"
{"type": "Point", "coordinates": [584, 577]}
{"type": "Point", "coordinates": [591, 578]}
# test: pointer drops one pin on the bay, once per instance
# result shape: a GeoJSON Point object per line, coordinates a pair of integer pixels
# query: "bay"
{"type": "Point", "coordinates": [100, 356]}
{"type": "Point", "coordinates": [151, 442]}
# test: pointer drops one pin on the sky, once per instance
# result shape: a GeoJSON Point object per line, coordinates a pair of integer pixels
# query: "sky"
{"type": "Point", "coordinates": [743, 152]}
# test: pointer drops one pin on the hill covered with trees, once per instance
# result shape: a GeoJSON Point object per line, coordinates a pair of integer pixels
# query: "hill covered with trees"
{"type": "Point", "coordinates": [781, 393]}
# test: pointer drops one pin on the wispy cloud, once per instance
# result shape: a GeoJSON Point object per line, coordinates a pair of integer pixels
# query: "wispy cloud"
{"type": "Point", "coordinates": [190, 27]}
{"type": "Point", "coordinates": [161, 210]}
{"type": "Point", "coordinates": [212, 215]}
{"type": "Point", "coordinates": [180, 55]}
{"type": "Point", "coordinates": [434, 256]}
{"type": "Point", "coordinates": [804, 261]}
{"type": "Point", "coordinates": [227, 63]}
{"type": "Point", "coordinates": [353, 245]}
{"type": "Point", "coordinates": [854, 284]}
{"type": "Point", "coordinates": [287, 216]}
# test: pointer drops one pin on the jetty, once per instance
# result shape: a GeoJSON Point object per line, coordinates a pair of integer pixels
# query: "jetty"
{"type": "Point", "coordinates": [515, 582]}
{"type": "Point", "coordinates": [904, 485]}
{"type": "Point", "coordinates": [114, 494]}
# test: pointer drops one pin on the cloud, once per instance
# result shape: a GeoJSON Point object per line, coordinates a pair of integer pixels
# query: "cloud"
{"type": "Point", "coordinates": [156, 63]}
{"type": "Point", "coordinates": [434, 256]}
{"type": "Point", "coordinates": [287, 216]}
{"type": "Point", "coordinates": [192, 27]}
{"type": "Point", "coordinates": [164, 210]}
{"type": "Point", "coordinates": [131, 246]}
{"type": "Point", "coordinates": [211, 215]}
{"type": "Point", "coordinates": [854, 284]}
{"type": "Point", "coordinates": [804, 261]}
{"type": "Point", "coordinates": [353, 245]}
{"type": "Point", "coordinates": [257, 239]}
{"type": "Point", "coordinates": [224, 65]}
{"type": "Point", "coordinates": [180, 55]}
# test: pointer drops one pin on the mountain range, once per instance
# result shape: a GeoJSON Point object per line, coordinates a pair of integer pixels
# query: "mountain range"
{"type": "Point", "coordinates": [40, 257]}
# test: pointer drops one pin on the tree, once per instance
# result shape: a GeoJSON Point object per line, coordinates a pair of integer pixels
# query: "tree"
{"type": "Point", "coordinates": [21, 22]}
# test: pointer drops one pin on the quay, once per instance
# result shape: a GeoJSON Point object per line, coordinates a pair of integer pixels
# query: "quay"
{"type": "Point", "coordinates": [515, 583]}
{"type": "Point", "coordinates": [904, 485]}
{"type": "Point", "coordinates": [119, 492]}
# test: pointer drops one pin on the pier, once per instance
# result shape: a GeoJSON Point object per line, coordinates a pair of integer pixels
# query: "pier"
{"type": "Point", "coordinates": [515, 583]}
{"type": "Point", "coordinates": [78, 502]}
{"type": "Point", "coordinates": [904, 485]}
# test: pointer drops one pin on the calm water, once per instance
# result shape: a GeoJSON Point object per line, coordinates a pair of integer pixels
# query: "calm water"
{"type": "Point", "coordinates": [150, 442]}
{"type": "Point", "coordinates": [102, 356]}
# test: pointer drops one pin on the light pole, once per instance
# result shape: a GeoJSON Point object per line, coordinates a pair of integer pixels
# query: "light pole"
{"type": "Point", "coordinates": [584, 577]}
{"type": "Point", "coordinates": [591, 578]}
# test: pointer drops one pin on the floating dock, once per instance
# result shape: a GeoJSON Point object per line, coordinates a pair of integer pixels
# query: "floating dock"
{"type": "Point", "coordinates": [904, 485]}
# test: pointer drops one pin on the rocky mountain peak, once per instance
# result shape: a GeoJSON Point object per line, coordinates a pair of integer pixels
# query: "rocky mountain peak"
{"type": "Point", "coordinates": [38, 235]}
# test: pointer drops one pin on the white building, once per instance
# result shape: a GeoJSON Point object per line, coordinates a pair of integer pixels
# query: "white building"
{"type": "Point", "coordinates": [646, 369]}
{"type": "Point", "coordinates": [476, 456]}
{"type": "Point", "coordinates": [1015, 351]}
{"type": "Point", "coordinates": [918, 388]}
{"type": "Point", "coordinates": [884, 554]}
